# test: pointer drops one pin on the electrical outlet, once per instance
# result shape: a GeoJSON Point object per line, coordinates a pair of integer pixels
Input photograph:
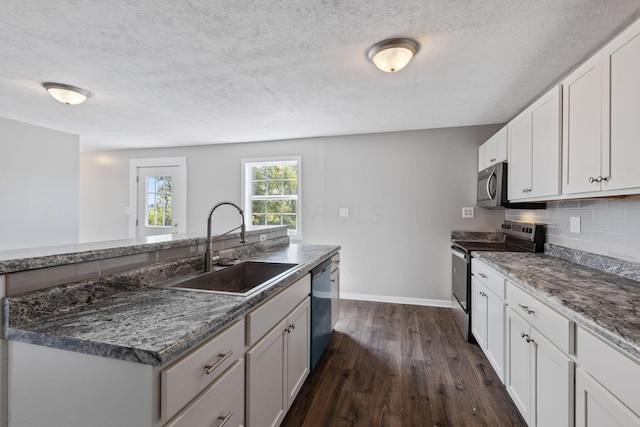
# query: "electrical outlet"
{"type": "Point", "coordinates": [263, 237]}
{"type": "Point", "coordinates": [468, 212]}
{"type": "Point", "coordinates": [574, 226]}
{"type": "Point", "coordinates": [343, 212]}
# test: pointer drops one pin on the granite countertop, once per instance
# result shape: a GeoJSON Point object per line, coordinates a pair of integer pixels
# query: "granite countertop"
{"type": "Point", "coordinates": [604, 303]}
{"type": "Point", "coordinates": [153, 325]}
{"type": "Point", "coordinates": [33, 258]}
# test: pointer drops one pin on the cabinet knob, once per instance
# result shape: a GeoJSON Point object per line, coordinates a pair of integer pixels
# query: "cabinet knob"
{"type": "Point", "coordinates": [592, 179]}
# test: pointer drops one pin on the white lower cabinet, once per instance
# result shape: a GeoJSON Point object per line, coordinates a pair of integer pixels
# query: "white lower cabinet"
{"type": "Point", "coordinates": [539, 375]}
{"type": "Point", "coordinates": [277, 367]}
{"type": "Point", "coordinates": [488, 313]}
{"type": "Point", "coordinates": [596, 406]}
{"type": "Point", "coordinates": [222, 403]}
{"type": "Point", "coordinates": [487, 324]}
{"type": "Point", "coordinates": [606, 384]}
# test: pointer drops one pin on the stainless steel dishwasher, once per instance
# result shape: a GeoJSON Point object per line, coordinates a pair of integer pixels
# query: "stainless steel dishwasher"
{"type": "Point", "coordinates": [320, 310]}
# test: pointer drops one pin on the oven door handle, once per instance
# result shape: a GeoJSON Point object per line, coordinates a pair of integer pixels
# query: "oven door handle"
{"type": "Point", "coordinates": [459, 254]}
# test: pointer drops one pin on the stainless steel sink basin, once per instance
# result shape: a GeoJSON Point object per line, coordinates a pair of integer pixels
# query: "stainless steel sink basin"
{"type": "Point", "coordinates": [241, 279]}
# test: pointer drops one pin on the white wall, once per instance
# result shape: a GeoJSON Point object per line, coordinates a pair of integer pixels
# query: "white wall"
{"type": "Point", "coordinates": [405, 191]}
{"type": "Point", "coordinates": [608, 226]}
{"type": "Point", "coordinates": [39, 175]}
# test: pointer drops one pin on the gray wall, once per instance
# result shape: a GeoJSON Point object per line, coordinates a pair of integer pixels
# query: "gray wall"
{"type": "Point", "coordinates": [405, 191]}
{"type": "Point", "coordinates": [608, 226]}
{"type": "Point", "coordinates": [39, 176]}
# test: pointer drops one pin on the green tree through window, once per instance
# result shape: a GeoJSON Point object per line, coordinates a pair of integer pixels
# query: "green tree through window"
{"type": "Point", "coordinates": [158, 201]}
{"type": "Point", "coordinates": [272, 189]}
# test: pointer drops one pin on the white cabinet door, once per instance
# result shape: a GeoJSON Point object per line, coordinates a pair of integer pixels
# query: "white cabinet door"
{"type": "Point", "coordinates": [596, 406]}
{"type": "Point", "coordinates": [519, 375]}
{"type": "Point", "coordinates": [495, 333]}
{"type": "Point", "coordinates": [482, 150]}
{"type": "Point", "coordinates": [519, 156]}
{"type": "Point", "coordinates": [479, 307]}
{"type": "Point", "coordinates": [545, 144]}
{"type": "Point", "coordinates": [553, 386]}
{"type": "Point", "coordinates": [266, 392]}
{"type": "Point", "coordinates": [534, 149]}
{"type": "Point", "coordinates": [494, 150]}
{"type": "Point", "coordinates": [621, 148]}
{"type": "Point", "coordinates": [582, 127]}
{"type": "Point", "coordinates": [298, 358]}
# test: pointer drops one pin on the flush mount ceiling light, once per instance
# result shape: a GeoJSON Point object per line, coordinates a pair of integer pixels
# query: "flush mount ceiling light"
{"type": "Point", "coordinates": [393, 54]}
{"type": "Point", "coordinates": [67, 94]}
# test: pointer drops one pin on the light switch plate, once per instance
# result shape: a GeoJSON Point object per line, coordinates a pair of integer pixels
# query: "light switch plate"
{"type": "Point", "coordinates": [468, 212]}
{"type": "Point", "coordinates": [343, 212]}
{"type": "Point", "coordinates": [574, 226]}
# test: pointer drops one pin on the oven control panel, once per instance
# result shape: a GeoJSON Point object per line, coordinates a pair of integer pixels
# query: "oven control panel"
{"type": "Point", "coordinates": [524, 230]}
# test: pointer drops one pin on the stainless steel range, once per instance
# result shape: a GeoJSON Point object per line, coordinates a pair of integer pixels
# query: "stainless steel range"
{"type": "Point", "coordinates": [513, 237]}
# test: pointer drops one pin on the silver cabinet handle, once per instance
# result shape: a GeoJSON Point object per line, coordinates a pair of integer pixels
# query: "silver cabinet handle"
{"type": "Point", "coordinates": [526, 309]}
{"type": "Point", "coordinates": [223, 420]}
{"type": "Point", "coordinates": [484, 276]}
{"type": "Point", "coordinates": [221, 358]}
{"type": "Point", "coordinates": [290, 328]}
{"type": "Point", "coordinates": [526, 337]}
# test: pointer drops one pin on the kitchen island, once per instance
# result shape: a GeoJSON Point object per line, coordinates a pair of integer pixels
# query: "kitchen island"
{"type": "Point", "coordinates": [104, 351]}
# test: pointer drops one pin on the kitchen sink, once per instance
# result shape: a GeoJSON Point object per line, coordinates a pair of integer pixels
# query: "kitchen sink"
{"type": "Point", "coordinates": [241, 279]}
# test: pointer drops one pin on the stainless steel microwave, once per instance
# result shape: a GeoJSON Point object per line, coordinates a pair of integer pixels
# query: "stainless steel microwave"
{"type": "Point", "coordinates": [492, 190]}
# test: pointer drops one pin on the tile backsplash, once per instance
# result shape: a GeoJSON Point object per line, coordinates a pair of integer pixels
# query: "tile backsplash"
{"type": "Point", "coordinates": [607, 226]}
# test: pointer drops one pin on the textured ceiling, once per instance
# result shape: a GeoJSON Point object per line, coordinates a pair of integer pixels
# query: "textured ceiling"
{"type": "Point", "coordinates": [169, 73]}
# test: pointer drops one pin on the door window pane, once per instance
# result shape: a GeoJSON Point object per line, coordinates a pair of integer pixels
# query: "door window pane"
{"type": "Point", "coordinates": [158, 209]}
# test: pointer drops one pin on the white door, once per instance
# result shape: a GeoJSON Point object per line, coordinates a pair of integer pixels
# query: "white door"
{"type": "Point", "coordinates": [158, 196]}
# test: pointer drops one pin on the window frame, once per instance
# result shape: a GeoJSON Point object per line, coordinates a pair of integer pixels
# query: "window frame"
{"type": "Point", "coordinates": [246, 181]}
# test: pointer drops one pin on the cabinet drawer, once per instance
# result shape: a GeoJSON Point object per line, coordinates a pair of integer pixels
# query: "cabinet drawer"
{"type": "Point", "coordinates": [222, 401]}
{"type": "Point", "coordinates": [555, 327]}
{"type": "Point", "coordinates": [490, 278]}
{"type": "Point", "coordinates": [618, 372]}
{"type": "Point", "coordinates": [182, 381]}
{"type": "Point", "coordinates": [262, 319]}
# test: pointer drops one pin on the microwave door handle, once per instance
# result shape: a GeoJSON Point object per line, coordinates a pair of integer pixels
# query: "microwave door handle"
{"type": "Point", "coordinates": [492, 176]}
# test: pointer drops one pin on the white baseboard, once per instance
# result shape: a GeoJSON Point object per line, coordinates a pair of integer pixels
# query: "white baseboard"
{"type": "Point", "coordinates": [397, 300]}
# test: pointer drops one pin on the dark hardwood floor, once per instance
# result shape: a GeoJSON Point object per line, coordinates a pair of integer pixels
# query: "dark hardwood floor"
{"type": "Point", "coordinates": [401, 365]}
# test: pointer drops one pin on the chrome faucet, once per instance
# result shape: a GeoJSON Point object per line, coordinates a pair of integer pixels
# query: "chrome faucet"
{"type": "Point", "coordinates": [243, 240]}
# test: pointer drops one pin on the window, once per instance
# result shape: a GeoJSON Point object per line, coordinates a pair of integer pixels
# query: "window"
{"type": "Point", "coordinates": [272, 192]}
{"type": "Point", "coordinates": [158, 201]}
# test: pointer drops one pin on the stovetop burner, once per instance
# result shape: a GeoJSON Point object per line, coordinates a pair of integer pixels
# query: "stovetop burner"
{"type": "Point", "coordinates": [489, 246]}
{"type": "Point", "coordinates": [518, 237]}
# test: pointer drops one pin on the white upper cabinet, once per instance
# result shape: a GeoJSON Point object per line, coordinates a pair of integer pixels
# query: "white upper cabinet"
{"type": "Point", "coordinates": [582, 128]}
{"type": "Point", "coordinates": [534, 149]}
{"type": "Point", "coordinates": [621, 132]}
{"type": "Point", "coordinates": [494, 150]}
{"type": "Point", "coordinates": [600, 120]}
